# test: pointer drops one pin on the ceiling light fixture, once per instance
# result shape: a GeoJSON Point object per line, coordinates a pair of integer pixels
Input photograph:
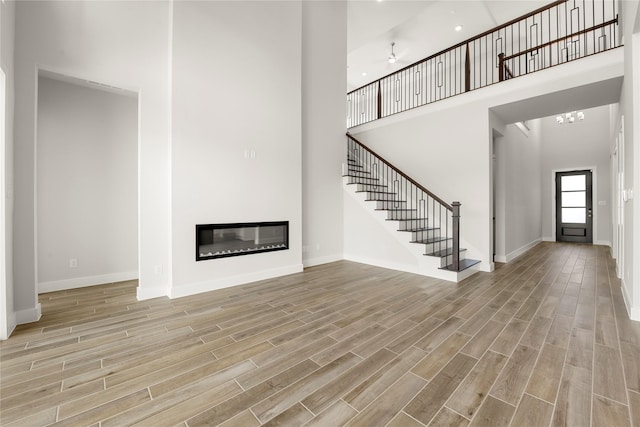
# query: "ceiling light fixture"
{"type": "Point", "coordinates": [364, 74]}
{"type": "Point", "coordinates": [392, 58]}
{"type": "Point", "coordinates": [458, 28]}
{"type": "Point", "coordinates": [570, 117]}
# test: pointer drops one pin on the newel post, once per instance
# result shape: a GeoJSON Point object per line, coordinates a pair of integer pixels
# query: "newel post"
{"type": "Point", "coordinates": [455, 215]}
{"type": "Point", "coordinates": [501, 67]}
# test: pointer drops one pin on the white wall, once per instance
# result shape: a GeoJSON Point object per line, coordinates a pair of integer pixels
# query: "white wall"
{"type": "Point", "coordinates": [324, 61]}
{"type": "Point", "coordinates": [519, 216]}
{"type": "Point", "coordinates": [7, 34]}
{"type": "Point", "coordinates": [87, 179]}
{"type": "Point", "coordinates": [446, 146]}
{"type": "Point", "coordinates": [577, 146]}
{"type": "Point", "coordinates": [629, 108]}
{"type": "Point", "coordinates": [236, 132]}
{"type": "Point", "coordinates": [123, 44]}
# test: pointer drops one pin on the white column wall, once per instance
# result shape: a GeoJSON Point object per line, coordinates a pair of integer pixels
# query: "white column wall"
{"type": "Point", "coordinates": [324, 64]}
{"type": "Point", "coordinates": [123, 44]}
{"type": "Point", "coordinates": [7, 36]}
{"type": "Point", "coordinates": [236, 134]}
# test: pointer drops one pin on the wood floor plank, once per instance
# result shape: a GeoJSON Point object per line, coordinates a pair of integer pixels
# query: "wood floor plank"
{"type": "Point", "coordinates": [438, 358]}
{"type": "Point", "coordinates": [439, 334]}
{"type": "Point", "coordinates": [608, 379]}
{"type": "Point", "coordinates": [404, 420]}
{"type": "Point", "coordinates": [447, 418]}
{"type": "Point", "coordinates": [573, 404]}
{"type": "Point", "coordinates": [532, 412]}
{"type": "Point", "coordinates": [580, 353]}
{"type": "Point", "coordinates": [229, 408]}
{"type": "Point", "coordinates": [335, 389]}
{"type": "Point", "coordinates": [335, 415]}
{"type": "Point", "coordinates": [483, 339]}
{"type": "Point", "coordinates": [296, 415]}
{"type": "Point", "coordinates": [546, 375]}
{"type": "Point", "coordinates": [367, 391]}
{"type": "Point", "coordinates": [244, 419]}
{"type": "Point", "coordinates": [274, 405]}
{"type": "Point", "coordinates": [413, 335]}
{"type": "Point", "coordinates": [384, 408]}
{"type": "Point", "coordinates": [607, 412]}
{"type": "Point", "coordinates": [536, 333]}
{"type": "Point", "coordinates": [340, 348]}
{"type": "Point", "coordinates": [493, 412]}
{"type": "Point", "coordinates": [428, 402]}
{"type": "Point", "coordinates": [634, 408]}
{"type": "Point", "coordinates": [473, 390]}
{"type": "Point", "coordinates": [560, 331]}
{"type": "Point", "coordinates": [508, 339]}
{"type": "Point", "coordinates": [514, 377]}
{"type": "Point", "coordinates": [631, 364]}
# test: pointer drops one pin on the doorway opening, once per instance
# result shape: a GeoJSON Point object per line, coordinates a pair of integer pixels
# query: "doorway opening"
{"type": "Point", "coordinates": [574, 207]}
{"type": "Point", "coordinates": [86, 183]}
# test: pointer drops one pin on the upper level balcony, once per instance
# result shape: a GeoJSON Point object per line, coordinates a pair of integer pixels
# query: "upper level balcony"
{"type": "Point", "coordinates": [561, 32]}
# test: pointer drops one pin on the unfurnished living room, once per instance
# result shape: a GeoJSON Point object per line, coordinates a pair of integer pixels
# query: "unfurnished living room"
{"type": "Point", "coordinates": [320, 213]}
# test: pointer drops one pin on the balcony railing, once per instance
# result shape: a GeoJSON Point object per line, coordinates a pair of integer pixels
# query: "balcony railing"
{"type": "Point", "coordinates": [560, 32]}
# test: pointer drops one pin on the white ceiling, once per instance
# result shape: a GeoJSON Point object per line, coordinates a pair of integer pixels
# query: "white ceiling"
{"type": "Point", "coordinates": [419, 28]}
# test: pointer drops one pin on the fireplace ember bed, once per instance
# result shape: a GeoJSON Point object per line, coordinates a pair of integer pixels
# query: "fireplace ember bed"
{"type": "Point", "coordinates": [227, 240]}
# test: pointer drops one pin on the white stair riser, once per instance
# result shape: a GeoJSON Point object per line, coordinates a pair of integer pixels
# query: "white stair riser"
{"type": "Point", "coordinates": [425, 234]}
{"type": "Point", "coordinates": [404, 214]}
{"type": "Point", "coordinates": [412, 223]}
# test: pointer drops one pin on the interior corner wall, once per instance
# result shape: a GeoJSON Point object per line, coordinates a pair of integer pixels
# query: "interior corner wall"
{"type": "Point", "coordinates": [324, 61]}
{"type": "Point", "coordinates": [7, 38]}
{"type": "Point", "coordinates": [520, 158]}
{"type": "Point", "coordinates": [78, 39]}
{"type": "Point", "coordinates": [575, 146]}
{"type": "Point", "coordinates": [87, 176]}
{"type": "Point", "coordinates": [629, 108]}
{"type": "Point", "coordinates": [236, 134]}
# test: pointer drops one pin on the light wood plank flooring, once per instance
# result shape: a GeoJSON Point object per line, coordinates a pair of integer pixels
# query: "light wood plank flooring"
{"type": "Point", "coordinates": [542, 341]}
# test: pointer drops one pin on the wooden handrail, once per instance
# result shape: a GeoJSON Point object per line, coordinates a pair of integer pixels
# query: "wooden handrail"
{"type": "Point", "coordinates": [559, 39]}
{"type": "Point", "coordinates": [399, 172]}
{"type": "Point", "coordinates": [470, 40]}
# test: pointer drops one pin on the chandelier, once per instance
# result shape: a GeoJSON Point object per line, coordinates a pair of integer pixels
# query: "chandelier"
{"type": "Point", "coordinates": [570, 117]}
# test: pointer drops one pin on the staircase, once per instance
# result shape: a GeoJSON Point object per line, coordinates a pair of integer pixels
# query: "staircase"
{"type": "Point", "coordinates": [422, 220]}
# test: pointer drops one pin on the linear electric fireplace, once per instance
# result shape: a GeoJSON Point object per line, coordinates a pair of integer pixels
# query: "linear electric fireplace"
{"type": "Point", "coordinates": [226, 240]}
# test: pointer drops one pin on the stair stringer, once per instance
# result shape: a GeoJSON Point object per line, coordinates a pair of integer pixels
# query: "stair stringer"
{"type": "Point", "coordinates": [413, 258]}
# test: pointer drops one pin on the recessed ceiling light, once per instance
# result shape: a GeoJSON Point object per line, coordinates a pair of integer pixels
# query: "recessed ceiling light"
{"type": "Point", "coordinates": [458, 28]}
{"type": "Point", "coordinates": [364, 74]}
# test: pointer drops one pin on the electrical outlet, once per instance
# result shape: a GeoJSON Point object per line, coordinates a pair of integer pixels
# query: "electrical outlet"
{"type": "Point", "coordinates": [73, 263]}
{"type": "Point", "coordinates": [158, 269]}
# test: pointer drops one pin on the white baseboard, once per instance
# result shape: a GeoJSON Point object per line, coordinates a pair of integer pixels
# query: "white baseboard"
{"type": "Point", "coordinates": [514, 254]}
{"type": "Point", "coordinates": [29, 315]}
{"type": "Point", "coordinates": [11, 325]}
{"type": "Point", "coordinates": [548, 239]}
{"type": "Point", "coordinates": [407, 268]}
{"type": "Point", "coordinates": [310, 262]}
{"type": "Point", "coordinates": [241, 279]}
{"type": "Point", "coordinates": [151, 292]}
{"type": "Point", "coordinates": [633, 312]}
{"type": "Point", "coordinates": [81, 282]}
{"type": "Point", "coordinates": [602, 243]}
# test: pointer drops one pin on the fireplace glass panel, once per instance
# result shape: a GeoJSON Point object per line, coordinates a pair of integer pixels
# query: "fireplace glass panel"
{"type": "Point", "coordinates": [226, 240]}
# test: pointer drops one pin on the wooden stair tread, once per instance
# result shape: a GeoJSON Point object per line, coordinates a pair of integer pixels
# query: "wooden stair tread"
{"type": "Point", "coordinates": [463, 265]}
{"type": "Point", "coordinates": [431, 240]}
{"type": "Point", "coordinates": [444, 252]}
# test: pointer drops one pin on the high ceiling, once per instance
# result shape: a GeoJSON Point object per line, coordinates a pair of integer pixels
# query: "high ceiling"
{"type": "Point", "coordinates": [419, 28]}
